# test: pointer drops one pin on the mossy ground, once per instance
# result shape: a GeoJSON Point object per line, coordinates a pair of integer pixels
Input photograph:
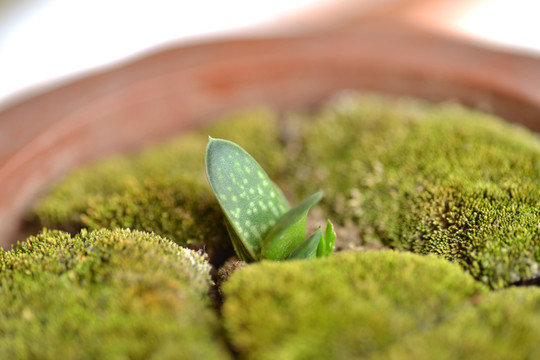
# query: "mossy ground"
{"type": "Point", "coordinates": [427, 178]}
{"type": "Point", "coordinates": [106, 295]}
{"type": "Point", "coordinates": [376, 305]}
{"type": "Point", "coordinates": [402, 174]}
{"type": "Point", "coordinates": [503, 324]}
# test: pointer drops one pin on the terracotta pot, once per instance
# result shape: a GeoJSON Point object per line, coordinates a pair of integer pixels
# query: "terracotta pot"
{"type": "Point", "coordinates": [176, 89]}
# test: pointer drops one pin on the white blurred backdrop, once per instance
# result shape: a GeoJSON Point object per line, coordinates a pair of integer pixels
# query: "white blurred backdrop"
{"type": "Point", "coordinates": [46, 41]}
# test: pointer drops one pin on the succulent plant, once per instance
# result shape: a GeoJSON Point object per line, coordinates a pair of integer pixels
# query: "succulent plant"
{"type": "Point", "coordinates": [259, 220]}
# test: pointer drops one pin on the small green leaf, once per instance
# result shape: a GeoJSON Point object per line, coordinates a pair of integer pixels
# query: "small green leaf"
{"type": "Point", "coordinates": [238, 244]}
{"type": "Point", "coordinates": [289, 232]}
{"type": "Point", "coordinates": [252, 203]}
{"type": "Point", "coordinates": [308, 249]}
{"type": "Point", "coordinates": [326, 245]}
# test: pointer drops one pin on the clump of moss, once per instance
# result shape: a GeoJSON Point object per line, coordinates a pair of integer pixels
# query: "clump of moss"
{"type": "Point", "coordinates": [350, 305]}
{"type": "Point", "coordinates": [427, 178]}
{"type": "Point", "coordinates": [106, 295]}
{"type": "Point", "coordinates": [499, 325]}
{"type": "Point", "coordinates": [162, 189]}
{"type": "Point", "coordinates": [77, 199]}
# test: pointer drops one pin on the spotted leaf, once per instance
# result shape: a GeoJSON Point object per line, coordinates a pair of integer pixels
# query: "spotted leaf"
{"type": "Point", "coordinates": [251, 202]}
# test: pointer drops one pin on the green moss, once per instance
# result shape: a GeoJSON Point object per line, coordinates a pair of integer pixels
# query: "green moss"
{"type": "Point", "coordinates": [174, 164]}
{"type": "Point", "coordinates": [162, 189]}
{"type": "Point", "coordinates": [500, 325]}
{"type": "Point", "coordinates": [105, 295]}
{"type": "Point", "coordinates": [404, 174]}
{"type": "Point", "coordinates": [430, 179]}
{"type": "Point", "coordinates": [350, 305]}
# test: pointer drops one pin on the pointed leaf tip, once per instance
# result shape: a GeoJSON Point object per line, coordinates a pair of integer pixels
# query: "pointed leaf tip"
{"type": "Point", "coordinates": [307, 249]}
{"type": "Point", "coordinates": [326, 245]}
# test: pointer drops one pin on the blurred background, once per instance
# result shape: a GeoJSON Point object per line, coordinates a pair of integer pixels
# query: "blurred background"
{"type": "Point", "coordinates": [141, 82]}
{"type": "Point", "coordinates": [46, 42]}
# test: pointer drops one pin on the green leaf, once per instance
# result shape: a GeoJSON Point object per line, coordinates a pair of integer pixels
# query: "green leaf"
{"type": "Point", "coordinates": [326, 245]}
{"type": "Point", "coordinates": [289, 232]}
{"type": "Point", "coordinates": [251, 202]}
{"type": "Point", "coordinates": [308, 249]}
{"type": "Point", "coordinates": [238, 245]}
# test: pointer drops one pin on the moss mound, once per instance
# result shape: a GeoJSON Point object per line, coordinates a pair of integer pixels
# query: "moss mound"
{"type": "Point", "coordinates": [436, 179]}
{"type": "Point", "coordinates": [105, 295]}
{"type": "Point", "coordinates": [500, 325]}
{"type": "Point", "coordinates": [162, 189]}
{"type": "Point", "coordinates": [351, 305]}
